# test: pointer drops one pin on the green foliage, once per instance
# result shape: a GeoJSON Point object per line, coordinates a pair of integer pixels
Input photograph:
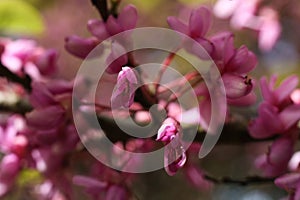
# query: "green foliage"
{"type": "Point", "coordinates": [18, 17]}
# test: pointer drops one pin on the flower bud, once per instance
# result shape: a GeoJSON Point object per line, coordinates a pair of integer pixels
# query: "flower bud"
{"type": "Point", "coordinates": [123, 95]}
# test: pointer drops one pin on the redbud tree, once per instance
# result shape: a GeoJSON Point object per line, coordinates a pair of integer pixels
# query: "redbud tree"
{"type": "Point", "coordinates": [188, 108]}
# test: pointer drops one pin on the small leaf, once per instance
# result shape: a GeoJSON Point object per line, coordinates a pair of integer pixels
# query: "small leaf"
{"type": "Point", "coordinates": [19, 18]}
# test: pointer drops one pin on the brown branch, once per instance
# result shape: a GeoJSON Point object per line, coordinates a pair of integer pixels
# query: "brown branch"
{"type": "Point", "coordinates": [102, 8]}
{"type": "Point", "coordinates": [232, 133]}
{"type": "Point", "coordinates": [24, 81]}
{"type": "Point", "coordinates": [246, 181]}
{"type": "Point", "coordinates": [20, 107]}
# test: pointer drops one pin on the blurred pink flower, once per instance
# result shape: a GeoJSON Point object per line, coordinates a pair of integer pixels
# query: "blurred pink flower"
{"type": "Point", "coordinates": [197, 27]}
{"type": "Point", "coordinates": [275, 161]}
{"type": "Point", "coordinates": [9, 169]}
{"type": "Point", "coordinates": [24, 56]}
{"type": "Point", "coordinates": [243, 14]}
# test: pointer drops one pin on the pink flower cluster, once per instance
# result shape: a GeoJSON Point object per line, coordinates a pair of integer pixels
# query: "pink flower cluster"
{"type": "Point", "coordinates": [101, 30]}
{"type": "Point", "coordinates": [44, 138]}
{"type": "Point", "coordinates": [278, 115]}
{"type": "Point", "coordinates": [233, 64]}
{"type": "Point", "coordinates": [25, 57]}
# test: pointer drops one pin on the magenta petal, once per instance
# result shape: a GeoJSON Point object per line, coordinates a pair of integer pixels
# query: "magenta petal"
{"type": "Point", "coordinates": [174, 156]}
{"type": "Point", "coordinates": [98, 29]}
{"type": "Point", "coordinates": [257, 130]}
{"type": "Point", "coordinates": [46, 118]}
{"type": "Point", "coordinates": [128, 17]}
{"type": "Point", "coordinates": [205, 51]}
{"type": "Point", "coordinates": [47, 137]}
{"type": "Point", "coordinates": [247, 100]}
{"type": "Point", "coordinates": [243, 62]}
{"type": "Point", "coordinates": [269, 114]}
{"type": "Point", "coordinates": [286, 88]}
{"type": "Point", "coordinates": [196, 24]}
{"type": "Point", "coordinates": [46, 62]}
{"type": "Point", "coordinates": [89, 182]}
{"type": "Point", "coordinates": [116, 59]}
{"type": "Point", "coordinates": [199, 22]}
{"type": "Point", "coordinates": [266, 91]}
{"type": "Point", "coordinates": [236, 86]}
{"type": "Point", "coordinates": [123, 95]}
{"type": "Point", "coordinates": [223, 46]}
{"type": "Point", "coordinates": [9, 167]}
{"type": "Point", "coordinates": [267, 124]}
{"type": "Point", "coordinates": [80, 47]}
{"type": "Point", "coordinates": [275, 162]}
{"type": "Point", "coordinates": [206, 19]}
{"type": "Point", "coordinates": [281, 152]}
{"type": "Point", "coordinates": [168, 130]}
{"type": "Point", "coordinates": [288, 181]}
{"type": "Point", "coordinates": [116, 192]}
{"type": "Point", "coordinates": [112, 26]}
{"type": "Point", "coordinates": [290, 116]}
{"type": "Point", "coordinates": [177, 25]}
{"type": "Point", "coordinates": [41, 96]}
{"type": "Point", "coordinates": [57, 87]}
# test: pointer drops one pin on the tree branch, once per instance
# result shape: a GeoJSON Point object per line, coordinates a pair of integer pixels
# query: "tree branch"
{"type": "Point", "coordinates": [246, 181]}
{"type": "Point", "coordinates": [232, 133]}
{"type": "Point", "coordinates": [24, 81]}
{"type": "Point", "coordinates": [102, 8]}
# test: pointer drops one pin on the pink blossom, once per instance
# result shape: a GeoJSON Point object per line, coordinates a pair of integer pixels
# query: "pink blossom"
{"type": "Point", "coordinates": [236, 86]}
{"type": "Point", "coordinates": [281, 95]}
{"type": "Point", "coordinates": [295, 96]}
{"type": "Point", "coordinates": [24, 56]}
{"type": "Point", "coordinates": [92, 186]}
{"type": "Point", "coordinates": [228, 58]}
{"type": "Point", "coordinates": [80, 47]}
{"type": "Point", "coordinates": [197, 27]}
{"type": "Point", "coordinates": [116, 59]}
{"type": "Point", "coordinates": [116, 192]}
{"type": "Point", "coordinates": [46, 118]}
{"type": "Point", "coordinates": [123, 94]}
{"type": "Point", "coordinates": [9, 169]}
{"type": "Point", "coordinates": [168, 130]}
{"type": "Point", "coordinates": [174, 153]}
{"type": "Point", "coordinates": [126, 20]}
{"type": "Point", "coordinates": [250, 14]}
{"type": "Point", "coordinates": [12, 138]}
{"type": "Point", "coordinates": [275, 162]}
{"type": "Point", "coordinates": [277, 114]}
{"type": "Point", "coordinates": [196, 177]}
{"type": "Point", "coordinates": [270, 29]}
{"type": "Point", "coordinates": [291, 183]}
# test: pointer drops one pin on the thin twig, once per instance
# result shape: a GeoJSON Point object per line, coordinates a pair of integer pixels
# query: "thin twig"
{"type": "Point", "coordinates": [24, 81]}
{"type": "Point", "coordinates": [246, 181]}
{"type": "Point", "coordinates": [102, 8]}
